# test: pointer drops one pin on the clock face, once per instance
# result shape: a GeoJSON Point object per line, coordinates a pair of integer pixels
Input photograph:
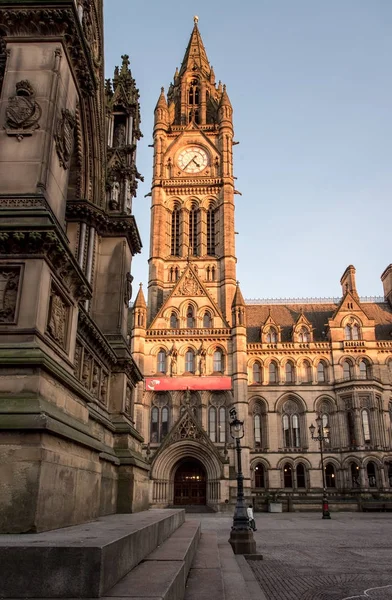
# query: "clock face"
{"type": "Point", "coordinates": [192, 159]}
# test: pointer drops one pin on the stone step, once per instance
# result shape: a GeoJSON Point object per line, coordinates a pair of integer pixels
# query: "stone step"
{"type": "Point", "coordinates": [83, 561]}
{"type": "Point", "coordinates": [164, 572]}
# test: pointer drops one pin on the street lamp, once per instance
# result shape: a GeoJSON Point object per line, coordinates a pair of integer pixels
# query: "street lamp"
{"type": "Point", "coordinates": [241, 535]}
{"type": "Point", "coordinates": [321, 437]}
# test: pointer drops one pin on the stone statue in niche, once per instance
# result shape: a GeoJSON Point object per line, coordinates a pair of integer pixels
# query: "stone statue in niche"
{"type": "Point", "coordinates": [115, 196]}
{"type": "Point", "coordinates": [22, 112]}
{"type": "Point", "coordinates": [9, 283]}
{"type": "Point", "coordinates": [119, 139]}
{"type": "Point", "coordinates": [57, 324]}
{"type": "Point", "coordinates": [128, 288]}
{"type": "Point", "coordinates": [202, 360]}
{"type": "Point", "coordinates": [64, 137]}
{"type": "Point", "coordinates": [173, 360]}
{"type": "Point", "coordinates": [128, 197]}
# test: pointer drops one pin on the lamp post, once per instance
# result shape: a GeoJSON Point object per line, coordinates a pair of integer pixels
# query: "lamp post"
{"type": "Point", "coordinates": [241, 535]}
{"type": "Point", "coordinates": [321, 437]}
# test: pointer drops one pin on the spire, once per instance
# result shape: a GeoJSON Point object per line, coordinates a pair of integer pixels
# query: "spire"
{"type": "Point", "coordinates": [140, 301]}
{"type": "Point", "coordinates": [195, 54]}
{"type": "Point", "coordinates": [162, 100]}
{"type": "Point", "coordinates": [225, 101]}
{"type": "Point", "coordinates": [238, 299]}
{"type": "Point", "coordinates": [348, 282]}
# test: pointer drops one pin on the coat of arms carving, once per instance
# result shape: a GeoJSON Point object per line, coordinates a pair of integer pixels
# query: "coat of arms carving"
{"type": "Point", "coordinates": [22, 112]}
{"type": "Point", "coordinates": [58, 319]}
{"type": "Point", "coordinates": [9, 284]}
{"type": "Point", "coordinates": [64, 136]}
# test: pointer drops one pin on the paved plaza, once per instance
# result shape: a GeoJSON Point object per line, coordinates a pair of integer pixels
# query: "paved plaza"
{"type": "Point", "coordinates": [308, 558]}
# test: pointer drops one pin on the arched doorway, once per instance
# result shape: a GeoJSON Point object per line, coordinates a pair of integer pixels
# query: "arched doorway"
{"type": "Point", "coordinates": [190, 483]}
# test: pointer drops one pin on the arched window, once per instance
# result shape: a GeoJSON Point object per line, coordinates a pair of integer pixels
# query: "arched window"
{"type": "Point", "coordinates": [272, 373]}
{"type": "Point", "coordinates": [321, 372]}
{"type": "Point", "coordinates": [351, 429]}
{"type": "Point", "coordinates": [193, 96]}
{"type": "Point", "coordinates": [218, 361]}
{"type": "Point", "coordinates": [288, 476]}
{"type": "Point", "coordinates": [289, 372]}
{"type": "Point", "coordinates": [347, 332]}
{"type": "Point", "coordinates": [257, 430]}
{"type": "Point", "coordinates": [303, 335]}
{"type": "Point", "coordinates": [173, 321]}
{"type": "Point", "coordinates": [365, 426]}
{"type": "Point", "coordinates": [154, 434]}
{"type": "Point", "coordinates": [161, 361]}
{"type": "Point", "coordinates": [175, 232]}
{"type": "Point", "coordinates": [301, 476]}
{"type": "Point", "coordinates": [354, 470]}
{"type": "Point", "coordinates": [371, 474]}
{"type": "Point", "coordinates": [190, 317]}
{"type": "Point", "coordinates": [307, 372]}
{"type": "Point", "coordinates": [364, 369]}
{"type": "Point", "coordinates": [207, 320]}
{"type": "Point", "coordinates": [211, 232]}
{"type": "Point", "coordinates": [159, 424]}
{"type": "Point", "coordinates": [291, 431]}
{"type": "Point", "coordinates": [330, 478]}
{"type": "Point", "coordinates": [352, 331]}
{"type": "Point", "coordinates": [212, 423]}
{"type": "Point", "coordinates": [347, 370]}
{"type": "Point", "coordinates": [325, 422]}
{"type": "Point", "coordinates": [190, 361]}
{"type": "Point", "coordinates": [355, 332]}
{"type": "Point", "coordinates": [164, 422]}
{"type": "Point", "coordinates": [222, 424]}
{"type": "Point", "coordinates": [256, 372]}
{"type": "Point", "coordinates": [272, 336]}
{"type": "Point", "coordinates": [193, 230]}
{"type": "Point", "coordinates": [259, 476]}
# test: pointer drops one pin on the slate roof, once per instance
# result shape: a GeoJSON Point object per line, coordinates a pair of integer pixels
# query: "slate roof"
{"type": "Point", "coordinates": [286, 315]}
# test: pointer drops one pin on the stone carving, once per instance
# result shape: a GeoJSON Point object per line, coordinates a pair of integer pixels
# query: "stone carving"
{"type": "Point", "coordinates": [22, 112]}
{"type": "Point", "coordinates": [114, 195]}
{"type": "Point", "coordinates": [9, 284]}
{"type": "Point", "coordinates": [173, 359]}
{"type": "Point", "coordinates": [119, 139]}
{"type": "Point", "coordinates": [187, 430]}
{"type": "Point", "coordinates": [190, 287]}
{"type": "Point", "coordinates": [58, 318]}
{"type": "Point", "coordinates": [128, 400]}
{"type": "Point", "coordinates": [202, 360]}
{"type": "Point", "coordinates": [95, 381]}
{"type": "Point", "coordinates": [86, 370]}
{"type": "Point", "coordinates": [77, 359]}
{"type": "Point", "coordinates": [128, 288]}
{"type": "Point", "coordinates": [290, 407]}
{"type": "Point", "coordinates": [104, 388]}
{"type": "Point", "coordinates": [217, 400]}
{"type": "Point", "coordinates": [64, 137]}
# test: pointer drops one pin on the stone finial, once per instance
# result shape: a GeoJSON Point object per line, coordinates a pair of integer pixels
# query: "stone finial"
{"type": "Point", "coordinates": [195, 19]}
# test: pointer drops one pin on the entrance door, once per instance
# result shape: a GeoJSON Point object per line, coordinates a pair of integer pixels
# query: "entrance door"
{"type": "Point", "coordinates": [190, 483]}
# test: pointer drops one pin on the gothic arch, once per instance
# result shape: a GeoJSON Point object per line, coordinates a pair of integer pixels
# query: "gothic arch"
{"type": "Point", "coordinates": [260, 460]}
{"type": "Point", "coordinates": [279, 404]}
{"type": "Point", "coordinates": [257, 401]}
{"type": "Point", "coordinates": [351, 319]}
{"type": "Point", "coordinates": [329, 402]}
{"type": "Point", "coordinates": [371, 458]}
{"type": "Point", "coordinates": [364, 357]}
{"type": "Point", "coordinates": [165, 463]}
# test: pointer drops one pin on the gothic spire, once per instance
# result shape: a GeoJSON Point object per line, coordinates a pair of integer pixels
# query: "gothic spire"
{"type": "Point", "coordinates": [195, 55]}
{"type": "Point", "coordinates": [140, 301]}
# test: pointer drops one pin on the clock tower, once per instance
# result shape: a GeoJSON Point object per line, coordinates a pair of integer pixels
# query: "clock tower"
{"type": "Point", "coordinates": [192, 212]}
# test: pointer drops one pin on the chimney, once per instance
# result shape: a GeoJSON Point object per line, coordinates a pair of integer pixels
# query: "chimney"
{"type": "Point", "coordinates": [348, 282]}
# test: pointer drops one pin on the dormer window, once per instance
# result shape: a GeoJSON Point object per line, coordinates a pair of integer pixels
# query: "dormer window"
{"type": "Point", "coordinates": [304, 335]}
{"type": "Point", "coordinates": [271, 336]}
{"type": "Point", "coordinates": [352, 330]}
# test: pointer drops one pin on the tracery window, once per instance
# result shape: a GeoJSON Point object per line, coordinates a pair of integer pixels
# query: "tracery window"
{"type": "Point", "coordinates": [330, 476]}
{"type": "Point", "coordinates": [159, 426]}
{"type": "Point", "coordinates": [193, 230]}
{"type": "Point", "coordinates": [194, 92]}
{"type": "Point", "coordinates": [161, 361]}
{"type": "Point", "coordinates": [352, 330]}
{"type": "Point", "coordinates": [173, 321]}
{"type": "Point", "coordinates": [304, 335]}
{"type": "Point", "coordinates": [175, 232]}
{"type": "Point", "coordinates": [257, 430]}
{"type": "Point", "coordinates": [190, 361]}
{"type": "Point", "coordinates": [273, 372]}
{"type": "Point", "coordinates": [321, 372]}
{"type": "Point", "coordinates": [347, 370]}
{"type": "Point", "coordinates": [256, 372]}
{"type": "Point", "coordinates": [190, 317]}
{"type": "Point", "coordinates": [211, 232]}
{"type": "Point", "coordinates": [271, 336]}
{"type": "Point", "coordinates": [218, 362]}
{"type": "Point", "coordinates": [259, 476]}
{"type": "Point", "coordinates": [291, 431]}
{"type": "Point", "coordinates": [289, 372]}
{"type": "Point", "coordinates": [217, 423]}
{"type": "Point", "coordinates": [365, 426]}
{"type": "Point", "coordinates": [364, 369]}
{"type": "Point", "coordinates": [207, 319]}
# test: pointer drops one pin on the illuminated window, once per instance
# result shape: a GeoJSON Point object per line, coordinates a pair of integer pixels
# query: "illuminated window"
{"type": "Point", "coordinates": [330, 476]}
{"type": "Point", "coordinates": [259, 476]}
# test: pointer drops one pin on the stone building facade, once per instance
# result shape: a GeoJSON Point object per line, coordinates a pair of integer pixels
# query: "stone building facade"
{"type": "Point", "coordinates": [69, 449]}
{"type": "Point", "coordinates": [203, 350]}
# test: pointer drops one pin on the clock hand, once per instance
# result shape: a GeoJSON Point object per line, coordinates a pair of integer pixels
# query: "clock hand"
{"type": "Point", "coordinates": [187, 165]}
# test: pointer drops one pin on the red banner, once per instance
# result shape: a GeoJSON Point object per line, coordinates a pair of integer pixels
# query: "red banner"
{"type": "Point", "coordinates": [163, 384]}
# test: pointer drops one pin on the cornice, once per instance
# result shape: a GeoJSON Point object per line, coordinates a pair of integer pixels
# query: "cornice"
{"type": "Point", "coordinates": [106, 225]}
{"type": "Point", "coordinates": [48, 244]}
{"type": "Point", "coordinates": [55, 18]}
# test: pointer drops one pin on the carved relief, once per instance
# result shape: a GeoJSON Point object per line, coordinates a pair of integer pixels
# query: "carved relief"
{"type": "Point", "coordinates": [189, 287]}
{"type": "Point", "coordinates": [128, 288]}
{"type": "Point", "coordinates": [9, 284]}
{"type": "Point", "coordinates": [64, 137]}
{"type": "Point", "coordinates": [86, 370]}
{"type": "Point", "coordinates": [22, 112]}
{"type": "Point", "coordinates": [104, 388]}
{"type": "Point", "coordinates": [128, 400]}
{"type": "Point", "coordinates": [58, 318]}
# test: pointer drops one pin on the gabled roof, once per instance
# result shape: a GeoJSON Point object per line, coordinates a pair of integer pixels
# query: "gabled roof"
{"type": "Point", "coordinates": [189, 285]}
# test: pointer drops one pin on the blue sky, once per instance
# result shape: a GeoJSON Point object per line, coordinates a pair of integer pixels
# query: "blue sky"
{"type": "Point", "coordinates": [311, 87]}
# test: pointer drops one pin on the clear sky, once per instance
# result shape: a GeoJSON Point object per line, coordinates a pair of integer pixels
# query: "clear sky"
{"type": "Point", "coordinates": [311, 87]}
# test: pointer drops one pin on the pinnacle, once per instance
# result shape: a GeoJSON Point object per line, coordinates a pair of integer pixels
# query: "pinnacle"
{"type": "Point", "coordinates": [195, 57]}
